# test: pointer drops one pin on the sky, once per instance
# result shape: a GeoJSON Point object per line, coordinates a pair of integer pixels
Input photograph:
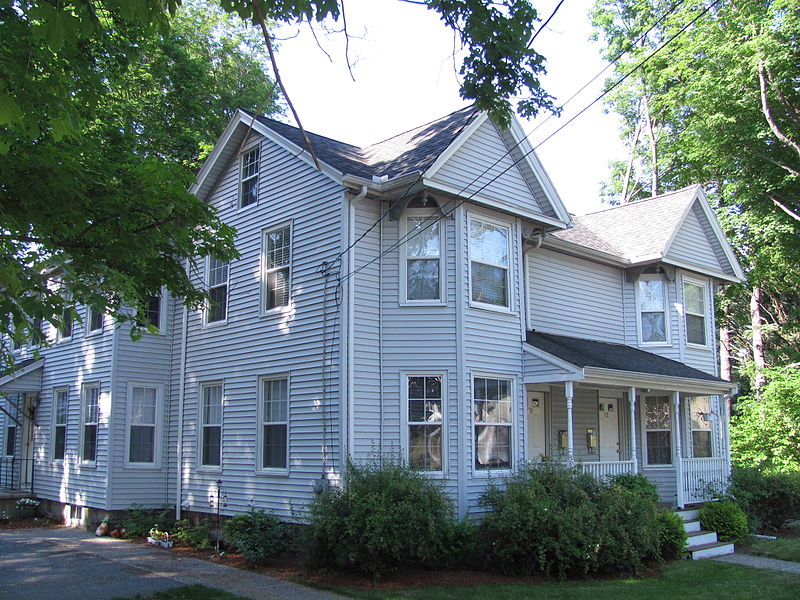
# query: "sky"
{"type": "Point", "coordinates": [403, 75]}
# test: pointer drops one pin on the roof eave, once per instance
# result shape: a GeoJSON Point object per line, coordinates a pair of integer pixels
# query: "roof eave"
{"type": "Point", "coordinates": [581, 251]}
{"type": "Point", "coordinates": [601, 376]}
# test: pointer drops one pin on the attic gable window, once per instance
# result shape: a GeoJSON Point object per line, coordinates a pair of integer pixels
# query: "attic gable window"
{"type": "Point", "coordinates": [652, 309]}
{"type": "Point", "coordinates": [248, 186]}
{"type": "Point", "coordinates": [694, 300]}
{"type": "Point", "coordinates": [489, 263]}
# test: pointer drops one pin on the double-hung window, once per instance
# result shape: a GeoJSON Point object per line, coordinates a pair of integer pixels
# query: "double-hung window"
{"type": "Point", "coordinates": [218, 272]}
{"type": "Point", "coordinates": [652, 310]}
{"type": "Point", "coordinates": [248, 186]}
{"type": "Point", "coordinates": [700, 413]}
{"type": "Point", "coordinates": [90, 410]}
{"type": "Point", "coordinates": [489, 253]}
{"type": "Point", "coordinates": [423, 258]}
{"type": "Point", "coordinates": [60, 410]}
{"type": "Point", "coordinates": [152, 311]}
{"type": "Point", "coordinates": [274, 423]}
{"type": "Point", "coordinates": [425, 420]}
{"type": "Point", "coordinates": [64, 330]}
{"type": "Point", "coordinates": [95, 320]}
{"type": "Point", "coordinates": [491, 410]}
{"type": "Point", "coordinates": [211, 425]}
{"type": "Point", "coordinates": [694, 301]}
{"type": "Point", "coordinates": [658, 430]}
{"type": "Point", "coordinates": [143, 424]}
{"type": "Point", "coordinates": [277, 264]}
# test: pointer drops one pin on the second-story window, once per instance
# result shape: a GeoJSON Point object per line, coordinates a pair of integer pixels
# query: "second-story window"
{"type": "Point", "coordinates": [489, 263]}
{"type": "Point", "coordinates": [152, 311]}
{"type": "Point", "coordinates": [652, 310]}
{"type": "Point", "coordinates": [218, 290]}
{"type": "Point", "coordinates": [277, 262]}
{"type": "Point", "coordinates": [95, 320]}
{"type": "Point", "coordinates": [423, 255]}
{"type": "Point", "coordinates": [694, 295]}
{"type": "Point", "coordinates": [248, 193]}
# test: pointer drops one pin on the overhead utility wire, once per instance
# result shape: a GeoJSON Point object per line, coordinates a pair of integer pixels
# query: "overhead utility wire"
{"type": "Point", "coordinates": [616, 84]}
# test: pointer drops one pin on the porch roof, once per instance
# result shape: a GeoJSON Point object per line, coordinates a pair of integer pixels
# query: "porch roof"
{"type": "Point", "coordinates": [26, 377]}
{"type": "Point", "coordinates": [598, 362]}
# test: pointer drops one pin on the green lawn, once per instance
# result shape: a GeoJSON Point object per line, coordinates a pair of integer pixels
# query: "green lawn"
{"type": "Point", "coordinates": [686, 580]}
{"type": "Point", "coordinates": [189, 592]}
{"type": "Point", "coordinates": [783, 549]}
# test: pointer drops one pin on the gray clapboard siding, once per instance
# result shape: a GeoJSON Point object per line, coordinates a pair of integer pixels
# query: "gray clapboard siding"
{"type": "Point", "coordinates": [504, 182]}
{"type": "Point", "coordinates": [575, 297]}
{"type": "Point", "coordinates": [692, 243]}
{"type": "Point", "coordinates": [584, 416]}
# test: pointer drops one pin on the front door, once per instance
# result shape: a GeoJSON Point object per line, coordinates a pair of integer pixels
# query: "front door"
{"type": "Point", "coordinates": [537, 440]}
{"type": "Point", "coordinates": [609, 429]}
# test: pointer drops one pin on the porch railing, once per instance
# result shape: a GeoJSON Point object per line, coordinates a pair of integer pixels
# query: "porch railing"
{"type": "Point", "coordinates": [608, 469]}
{"type": "Point", "coordinates": [16, 474]}
{"type": "Point", "coordinates": [702, 474]}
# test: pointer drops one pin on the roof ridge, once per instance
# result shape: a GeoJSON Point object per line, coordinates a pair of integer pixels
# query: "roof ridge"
{"type": "Point", "coordinates": [309, 132]}
{"type": "Point", "coordinates": [407, 131]}
{"type": "Point", "coordinates": [641, 201]}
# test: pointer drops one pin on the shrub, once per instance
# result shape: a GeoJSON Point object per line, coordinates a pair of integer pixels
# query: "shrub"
{"type": "Point", "coordinates": [726, 518]}
{"type": "Point", "coordinates": [385, 516]}
{"type": "Point", "coordinates": [671, 535]}
{"type": "Point", "coordinates": [197, 535]}
{"type": "Point", "coordinates": [638, 484]}
{"type": "Point", "coordinates": [557, 521]}
{"type": "Point", "coordinates": [768, 499]}
{"type": "Point", "coordinates": [139, 520]}
{"type": "Point", "coordinates": [257, 535]}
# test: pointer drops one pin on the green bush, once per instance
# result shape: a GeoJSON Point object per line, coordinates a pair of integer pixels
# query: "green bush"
{"type": "Point", "coordinates": [671, 535]}
{"type": "Point", "coordinates": [386, 515]}
{"type": "Point", "coordinates": [726, 518]}
{"type": "Point", "coordinates": [140, 520]}
{"type": "Point", "coordinates": [257, 535]}
{"type": "Point", "coordinates": [768, 499]}
{"type": "Point", "coordinates": [639, 484]}
{"type": "Point", "coordinates": [557, 521]}
{"type": "Point", "coordinates": [197, 535]}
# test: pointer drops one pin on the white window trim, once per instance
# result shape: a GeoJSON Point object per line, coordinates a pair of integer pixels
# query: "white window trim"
{"type": "Point", "coordinates": [88, 328]}
{"type": "Point", "coordinates": [667, 323]}
{"type": "Point", "coordinates": [54, 424]}
{"type": "Point", "coordinates": [242, 154]}
{"type": "Point", "coordinates": [207, 307]}
{"type": "Point", "coordinates": [688, 430]}
{"type": "Point", "coordinates": [513, 446]}
{"type": "Point", "coordinates": [643, 432]}
{"type": "Point", "coordinates": [57, 335]}
{"type": "Point", "coordinates": [404, 300]}
{"type": "Point", "coordinates": [471, 216]}
{"type": "Point", "coordinates": [200, 426]}
{"type": "Point", "coordinates": [159, 425]}
{"type": "Point", "coordinates": [82, 423]}
{"type": "Point", "coordinates": [404, 441]}
{"type": "Point", "coordinates": [263, 310]}
{"type": "Point", "coordinates": [162, 306]}
{"type": "Point", "coordinates": [706, 320]}
{"type": "Point", "coordinates": [260, 468]}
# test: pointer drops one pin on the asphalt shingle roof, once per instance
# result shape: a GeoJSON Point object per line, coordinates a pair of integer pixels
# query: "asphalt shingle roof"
{"type": "Point", "coordinates": [619, 357]}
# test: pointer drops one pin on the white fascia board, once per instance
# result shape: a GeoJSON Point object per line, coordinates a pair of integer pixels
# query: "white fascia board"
{"type": "Point", "coordinates": [462, 137]}
{"type": "Point", "coordinates": [721, 237]}
{"type": "Point", "coordinates": [212, 158]}
{"type": "Point", "coordinates": [713, 273]}
{"type": "Point", "coordinates": [681, 221]}
{"type": "Point", "coordinates": [596, 375]}
{"type": "Point", "coordinates": [381, 187]}
{"type": "Point", "coordinates": [584, 252]}
{"type": "Point", "coordinates": [491, 203]}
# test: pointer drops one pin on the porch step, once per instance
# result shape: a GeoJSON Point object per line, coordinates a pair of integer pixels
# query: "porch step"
{"type": "Point", "coordinates": [710, 550]}
{"type": "Point", "coordinates": [689, 514]}
{"type": "Point", "coordinates": [700, 538]}
{"type": "Point", "coordinates": [691, 526]}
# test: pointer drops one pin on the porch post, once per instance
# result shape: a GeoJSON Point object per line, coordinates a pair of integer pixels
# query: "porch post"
{"type": "Point", "coordinates": [676, 408]}
{"type": "Point", "coordinates": [568, 393]}
{"type": "Point", "coordinates": [632, 406]}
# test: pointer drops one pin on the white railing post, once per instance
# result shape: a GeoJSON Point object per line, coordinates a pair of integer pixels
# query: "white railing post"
{"type": "Point", "coordinates": [569, 392]}
{"type": "Point", "coordinates": [632, 405]}
{"type": "Point", "coordinates": [676, 404]}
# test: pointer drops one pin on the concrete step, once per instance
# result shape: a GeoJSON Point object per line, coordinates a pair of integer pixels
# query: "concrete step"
{"type": "Point", "coordinates": [710, 550]}
{"type": "Point", "coordinates": [689, 514]}
{"type": "Point", "coordinates": [691, 526]}
{"type": "Point", "coordinates": [697, 538]}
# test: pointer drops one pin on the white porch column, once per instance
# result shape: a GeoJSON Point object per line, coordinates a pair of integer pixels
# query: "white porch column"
{"type": "Point", "coordinates": [725, 409]}
{"type": "Point", "coordinates": [569, 392]}
{"type": "Point", "coordinates": [632, 406]}
{"type": "Point", "coordinates": [676, 409]}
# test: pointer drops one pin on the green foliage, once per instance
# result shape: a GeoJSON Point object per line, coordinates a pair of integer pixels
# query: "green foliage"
{"type": "Point", "coordinates": [765, 431]}
{"type": "Point", "coordinates": [552, 520]}
{"type": "Point", "coordinates": [197, 535]}
{"type": "Point", "coordinates": [671, 535]}
{"type": "Point", "coordinates": [257, 535]}
{"type": "Point", "coordinates": [769, 499]}
{"type": "Point", "coordinates": [139, 520]}
{"type": "Point", "coordinates": [638, 484]}
{"type": "Point", "coordinates": [726, 518]}
{"type": "Point", "coordinates": [385, 516]}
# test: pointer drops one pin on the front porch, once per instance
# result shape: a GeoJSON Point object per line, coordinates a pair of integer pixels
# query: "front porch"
{"type": "Point", "coordinates": [588, 407]}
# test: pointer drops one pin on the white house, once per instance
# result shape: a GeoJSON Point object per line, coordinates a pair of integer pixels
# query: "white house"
{"type": "Point", "coordinates": [429, 297]}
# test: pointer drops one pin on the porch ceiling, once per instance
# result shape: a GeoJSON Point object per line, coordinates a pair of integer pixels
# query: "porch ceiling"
{"type": "Point", "coordinates": [27, 377]}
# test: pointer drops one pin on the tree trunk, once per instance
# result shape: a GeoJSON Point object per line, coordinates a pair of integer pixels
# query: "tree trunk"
{"type": "Point", "coordinates": [759, 378]}
{"type": "Point", "coordinates": [629, 169]}
{"type": "Point", "coordinates": [653, 147]}
{"type": "Point", "coordinates": [725, 353]}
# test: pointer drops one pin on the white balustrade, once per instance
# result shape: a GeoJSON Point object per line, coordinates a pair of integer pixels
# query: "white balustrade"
{"type": "Point", "coordinates": [609, 468]}
{"type": "Point", "coordinates": [700, 474]}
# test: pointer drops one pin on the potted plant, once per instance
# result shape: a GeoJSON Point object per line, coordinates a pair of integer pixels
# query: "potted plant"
{"type": "Point", "coordinates": [159, 538]}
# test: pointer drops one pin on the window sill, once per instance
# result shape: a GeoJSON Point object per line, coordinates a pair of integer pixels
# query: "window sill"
{"type": "Point", "coordinates": [698, 346]}
{"type": "Point", "coordinates": [656, 344]}
{"type": "Point", "coordinates": [142, 466]}
{"type": "Point", "coordinates": [438, 303]}
{"type": "Point", "coordinates": [95, 333]}
{"type": "Point", "coordinates": [87, 465]}
{"type": "Point", "coordinates": [278, 311]}
{"type": "Point", "coordinates": [489, 473]}
{"type": "Point", "coordinates": [209, 469]}
{"type": "Point", "coordinates": [272, 472]}
{"type": "Point", "coordinates": [504, 310]}
{"type": "Point", "coordinates": [213, 324]}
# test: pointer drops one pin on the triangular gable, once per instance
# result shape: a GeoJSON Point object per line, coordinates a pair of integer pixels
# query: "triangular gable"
{"type": "Point", "coordinates": [26, 378]}
{"type": "Point", "coordinates": [542, 367]}
{"type": "Point", "coordinates": [498, 169]}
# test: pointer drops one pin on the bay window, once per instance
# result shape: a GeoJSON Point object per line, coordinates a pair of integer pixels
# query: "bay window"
{"type": "Point", "coordinates": [652, 310]}
{"type": "Point", "coordinates": [489, 254]}
{"type": "Point", "coordinates": [491, 410]}
{"type": "Point", "coordinates": [423, 253]}
{"type": "Point", "coordinates": [425, 420]}
{"type": "Point", "coordinates": [658, 430]}
{"type": "Point", "coordinates": [694, 300]}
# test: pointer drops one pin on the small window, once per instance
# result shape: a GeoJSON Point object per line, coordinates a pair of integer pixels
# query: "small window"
{"type": "Point", "coordinates": [60, 411]}
{"type": "Point", "coordinates": [425, 422]}
{"type": "Point", "coordinates": [211, 426]}
{"type": "Point", "coordinates": [64, 332]}
{"type": "Point", "coordinates": [274, 423]}
{"type": "Point", "coordinates": [423, 255]}
{"type": "Point", "coordinates": [699, 418]}
{"type": "Point", "coordinates": [152, 311]}
{"type": "Point", "coordinates": [11, 440]}
{"type": "Point", "coordinates": [695, 308]}
{"type": "Point", "coordinates": [491, 410]}
{"type": "Point", "coordinates": [489, 263]}
{"type": "Point", "coordinates": [91, 420]}
{"type": "Point", "coordinates": [95, 320]}
{"type": "Point", "coordinates": [142, 425]}
{"type": "Point", "coordinates": [658, 430]}
{"type": "Point", "coordinates": [218, 272]}
{"type": "Point", "coordinates": [249, 178]}
{"type": "Point", "coordinates": [652, 310]}
{"type": "Point", "coordinates": [277, 251]}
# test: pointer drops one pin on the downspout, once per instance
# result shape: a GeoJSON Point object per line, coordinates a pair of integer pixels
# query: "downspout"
{"type": "Point", "coordinates": [181, 398]}
{"type": "Point", "coordinates": [351, 302]}
{"type": "Point", "coordinates": [380, 335]}
{"type": "Point", "coordinates": [112, 409]}
{"type": "Point", "coordinates": [463, 425]}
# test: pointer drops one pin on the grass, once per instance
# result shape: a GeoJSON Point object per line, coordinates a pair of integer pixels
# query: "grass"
{"type": "Point", "coordinates": [687, 580]}
{"type": "Point", "coordinates": [782, 549]}
{"type": "Point", "coordinates": [189, 592]}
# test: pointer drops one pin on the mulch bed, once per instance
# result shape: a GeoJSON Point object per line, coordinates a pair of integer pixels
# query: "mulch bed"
{"type": "Point", "coordinates": [33, 523]}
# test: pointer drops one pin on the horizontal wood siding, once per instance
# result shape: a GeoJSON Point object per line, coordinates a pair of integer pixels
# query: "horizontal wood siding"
{"type": "Point", "coordinates": [540, 369]}
{"type": "Point", "coordinates": [692, 243]}
{"type": "Point", "coordinates": [503, 182]}
{"type": "Point", "coordinates": [584, 416]}
{"type": "Point", "coordinates": [285, 342]}
{"type": "Point", "coordinates": [575, 297]}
